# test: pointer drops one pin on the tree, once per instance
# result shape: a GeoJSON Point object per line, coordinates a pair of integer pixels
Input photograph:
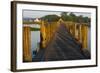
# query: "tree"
{"type": "Point", "coordinates": [50, 18]}
{"type": "Point", "coordinates": [64, 16]}
{"type": "Point", "coordinates": [86, 20]}
{"type": "Point", "coordinates": [73, 17]}
{"type": "Point", "coordinates": [80, 19]}
{"type": "Point", "coordinates": [68, 17]}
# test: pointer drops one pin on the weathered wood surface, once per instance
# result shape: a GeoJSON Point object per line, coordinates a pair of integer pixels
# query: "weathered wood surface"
{"type": "Point", "coordinates": [62, 47]}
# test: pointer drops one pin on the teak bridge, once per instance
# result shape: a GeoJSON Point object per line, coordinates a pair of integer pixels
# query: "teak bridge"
{"type": "Point", "coordinates": [60, 40]}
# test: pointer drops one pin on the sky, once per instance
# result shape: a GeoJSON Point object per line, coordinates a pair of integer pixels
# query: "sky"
{"type": "Point", "coordinates": [38, 14]}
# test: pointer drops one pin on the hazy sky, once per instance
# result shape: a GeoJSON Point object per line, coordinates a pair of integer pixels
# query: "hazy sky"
{"type": "Point", "coordinates": [38, 14]}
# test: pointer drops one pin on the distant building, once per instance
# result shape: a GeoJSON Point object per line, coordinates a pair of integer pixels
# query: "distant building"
{"type": "Point", "coordinates": [37, 20]}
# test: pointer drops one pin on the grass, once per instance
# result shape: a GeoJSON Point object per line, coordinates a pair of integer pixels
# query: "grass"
{"type": "Point", "coordinates": [35, 29]}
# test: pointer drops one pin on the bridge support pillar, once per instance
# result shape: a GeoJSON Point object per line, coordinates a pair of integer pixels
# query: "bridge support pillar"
{"type": "Point", "coordinates": [27, 56]}
{"type": "Point", "coordinates": [75, 31]}
{"type": "Point", "coordinates": [85, 37]}
{"type": "Point", "coordinates": [43, 32]}
{"type": "Point", "coordinates": [80, 33]}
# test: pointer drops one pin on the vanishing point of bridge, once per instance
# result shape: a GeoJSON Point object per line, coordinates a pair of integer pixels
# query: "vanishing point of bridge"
{"type": "Point", "coordinates": [59, 41]}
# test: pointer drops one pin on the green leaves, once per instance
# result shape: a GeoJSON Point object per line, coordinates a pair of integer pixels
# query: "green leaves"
{"type": "Point", "coordinates": [50, 18]}
{"type": "Point", "coordinates": [35, 29]}
{"type": "Point", "coordinates": [72, 17]}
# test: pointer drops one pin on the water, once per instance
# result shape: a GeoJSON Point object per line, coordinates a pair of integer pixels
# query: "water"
{"type": "Point", "coordinates": [32, 25]}
{"type": "Point", "coordinates": [35, 40]}
{"type": "Point", "coordinates": [35, 25]}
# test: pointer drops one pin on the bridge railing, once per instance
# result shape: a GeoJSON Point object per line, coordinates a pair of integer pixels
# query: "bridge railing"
{"type": "Point", "coordinates": [78, 30]}
{"type": "Point", "coordinates": [48, 30]}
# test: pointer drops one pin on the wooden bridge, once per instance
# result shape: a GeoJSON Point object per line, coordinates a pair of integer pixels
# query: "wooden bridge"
{"type": "Point", "coordinates": [59, 41]}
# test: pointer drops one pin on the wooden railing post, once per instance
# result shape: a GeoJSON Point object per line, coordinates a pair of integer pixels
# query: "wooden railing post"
{"type": "Point", "coordinates": [27, 56]}
{"type": "Point", "coordinates": [84, 36]}
{"type": "Point", "coordinates": [80, 33]}
{"type": "Point", "coordinates": [78, 30]}
{"type": "Point", "coordinates": [75, 30]}
{"type": "Point", "coordinates": [43, 32]}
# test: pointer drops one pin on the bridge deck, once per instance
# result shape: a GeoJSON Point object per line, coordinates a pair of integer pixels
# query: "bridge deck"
{"type": "Point", "coordinates": [62, 47]}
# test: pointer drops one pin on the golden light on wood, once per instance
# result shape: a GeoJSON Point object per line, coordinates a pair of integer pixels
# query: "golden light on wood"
{"type": "Point", "coordinates": [27, 57]}
{"type": "Point", "coordinates": [78, 30]}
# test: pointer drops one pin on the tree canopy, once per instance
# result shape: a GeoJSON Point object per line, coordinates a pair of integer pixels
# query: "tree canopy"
{"type": "Point", "coordinates": [72, 17]}
{"type": "Point", "coordinates": [50, 18]}
{"type": "Point", "coordinates": [66, 16]}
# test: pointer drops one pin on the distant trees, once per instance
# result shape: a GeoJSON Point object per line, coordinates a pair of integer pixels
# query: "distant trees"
{"type": "Point", "coordinates": [51, 18]}
{"type": "Point", "coordinates": [66, 16]}
{"type": "Point", "coordinates": [80, 19]}
{"type": "Point", "coordinates": [72, 17]}
{"type": "Point", "coordinates": [86, 19]}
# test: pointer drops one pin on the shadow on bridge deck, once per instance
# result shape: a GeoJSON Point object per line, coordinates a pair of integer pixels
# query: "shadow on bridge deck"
{"type": "Point", "coordinates": [62, 47]}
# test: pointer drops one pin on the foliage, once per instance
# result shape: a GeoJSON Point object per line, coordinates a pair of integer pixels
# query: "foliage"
{"type": "Point", "coordinates": [72, 17]}
{"type": "Point", "coordinates": [35, 29]}
{"type": "Point", "coordinates": [65, 16]}
{"type": "Point", "coordinates": [50, 18]}
{"type": "Point", "coordinates": [86, 19]}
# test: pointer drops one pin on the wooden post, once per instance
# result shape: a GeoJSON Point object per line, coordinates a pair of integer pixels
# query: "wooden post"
{"type": "Point", "coordinates": [49, 32]}
{"type": "Point", "coordinates": [43, 32]}
{"type": "Point", "coordinates": [80, 33]}
{"type": "Point", "coordinates": [84, 36]}
{"type": "Point", "coordinates": [75, 30]}
{"type": "Point", "coordinates": [27, 56]}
